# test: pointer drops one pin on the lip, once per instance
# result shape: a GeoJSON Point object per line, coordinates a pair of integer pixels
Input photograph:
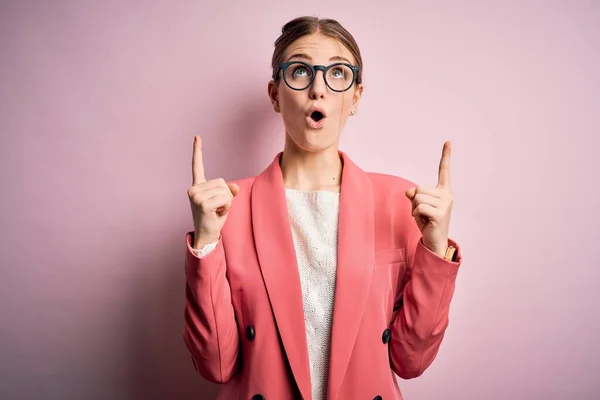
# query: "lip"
{"type": "Point", "coordinates": [311, 122]}
{"type": "Point", "coordinates": [316, 108]}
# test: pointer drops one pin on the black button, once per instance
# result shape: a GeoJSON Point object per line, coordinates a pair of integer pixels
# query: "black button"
{"type": "Point", "coordinates": [258, 397]}
{"type": "Point", "coordinates": [250, 334]}
{"type": "Point", "coordinates": [378, 398]}
{"type": "Point", "coordinates": [386, 336]}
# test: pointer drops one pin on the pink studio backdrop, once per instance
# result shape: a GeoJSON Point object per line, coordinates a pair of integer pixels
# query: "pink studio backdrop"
{"type": "Point", "coordinates": [98, 106]}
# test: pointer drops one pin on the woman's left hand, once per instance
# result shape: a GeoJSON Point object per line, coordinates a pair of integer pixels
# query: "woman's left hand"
{"type": "Point", "coordinates": [432, 207]}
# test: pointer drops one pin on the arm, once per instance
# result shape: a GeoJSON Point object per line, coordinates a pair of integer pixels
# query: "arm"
{"type": "Point", "coordinates": [421, 309]}
{"type": "Point", "coordinates": [206, 249]}
{"type": "Point", "coordinates": [211, 332]}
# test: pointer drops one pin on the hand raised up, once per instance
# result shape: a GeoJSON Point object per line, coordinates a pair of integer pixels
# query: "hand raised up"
{"type": "Point", "coordinates": [210, 200]}
{"type": "Point", "coordinates": [432, 207]}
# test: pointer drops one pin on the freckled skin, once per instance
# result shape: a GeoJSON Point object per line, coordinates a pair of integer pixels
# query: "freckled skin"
{"type": "Point", "coordinates": [294, 104]}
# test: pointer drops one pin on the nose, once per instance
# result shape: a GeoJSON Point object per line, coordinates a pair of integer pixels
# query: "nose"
{"type": "Point", "coordinates": [318, 87]}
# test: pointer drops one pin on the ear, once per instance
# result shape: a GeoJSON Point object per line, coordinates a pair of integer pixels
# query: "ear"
{"type": "Point", "coordinates": [356, 98]}
{"type": "Point", "coordinates": [357, 95]}
{"type": "Point", "coordinates": [273, 91]}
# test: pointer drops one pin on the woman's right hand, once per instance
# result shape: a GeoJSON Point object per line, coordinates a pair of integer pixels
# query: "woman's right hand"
{"type": "Point", "coordinates": [210, 201]}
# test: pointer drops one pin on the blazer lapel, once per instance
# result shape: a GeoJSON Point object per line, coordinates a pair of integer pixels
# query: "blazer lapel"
{"type": "Point", "coordinates": [277, 260]}
{"type": "Point", "coordinates": [354, 268]}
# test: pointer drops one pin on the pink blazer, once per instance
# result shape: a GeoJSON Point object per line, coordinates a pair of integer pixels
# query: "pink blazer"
{"type": "Point", "coordinates": [244, 324]}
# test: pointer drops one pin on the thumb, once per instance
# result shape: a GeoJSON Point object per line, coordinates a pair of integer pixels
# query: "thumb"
{"type": "Point", "coordinates": [235, 189]}
{"type": "Point", "coordinates": [410, 193]}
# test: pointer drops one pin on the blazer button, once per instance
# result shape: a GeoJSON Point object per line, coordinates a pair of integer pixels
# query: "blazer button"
{"type": "Point", "coordinates": [258, 397]}
{"type": "Point", "coordinates": [386, 336]}
{"type": "Point", "coordinates": [250, 334]}
{"type": "Point", "coordinates": [378, 398]}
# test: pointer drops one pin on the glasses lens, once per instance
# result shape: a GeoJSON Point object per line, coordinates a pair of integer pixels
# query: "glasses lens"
{"type": "Point", "coordinates": [340, 77]}
{"type": "Point", "coordinates": [298, 76]}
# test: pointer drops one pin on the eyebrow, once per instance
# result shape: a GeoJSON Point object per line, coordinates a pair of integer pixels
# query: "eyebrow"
{"type": "Point", "coordinates": [309, 58]}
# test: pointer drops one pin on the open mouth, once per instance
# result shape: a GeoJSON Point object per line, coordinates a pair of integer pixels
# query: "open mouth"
{"type": "Point", "coordinates": [316, 116]}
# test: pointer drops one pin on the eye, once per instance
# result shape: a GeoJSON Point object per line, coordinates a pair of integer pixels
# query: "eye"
{"type": "Point", "coordinates": [337, 72]}
{"type": "Point", "coordinates": [300, 71]}
{"type": "Point", "coordinates": [340, 72]}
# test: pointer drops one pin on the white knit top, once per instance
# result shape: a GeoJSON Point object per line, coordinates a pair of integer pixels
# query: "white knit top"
{"type": "Point", "coordinates": [314, 225]}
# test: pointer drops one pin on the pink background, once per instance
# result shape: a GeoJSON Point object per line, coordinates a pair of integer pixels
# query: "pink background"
{"type": "Point", "coordinates": [98, 106]}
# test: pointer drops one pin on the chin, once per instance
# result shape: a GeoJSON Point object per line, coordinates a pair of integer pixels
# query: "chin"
{"type": "Point", "coordinates": [316, 141]}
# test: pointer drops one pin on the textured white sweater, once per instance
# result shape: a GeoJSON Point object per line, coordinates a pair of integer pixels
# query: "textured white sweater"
{"type": "Point", "coordinates": [314, 225]}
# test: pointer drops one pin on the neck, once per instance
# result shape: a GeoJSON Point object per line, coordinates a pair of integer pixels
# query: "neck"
{"type": "Point", "coordinates": [308, 171]}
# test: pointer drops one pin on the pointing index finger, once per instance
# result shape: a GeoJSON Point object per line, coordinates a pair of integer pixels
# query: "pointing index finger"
{"type": "Point", "coordinates": [444, 168]}
{"type": "Point", "coordinates": [197, 162]}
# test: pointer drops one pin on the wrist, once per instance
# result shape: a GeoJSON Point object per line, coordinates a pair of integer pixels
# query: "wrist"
{"type": "Point", "coordinates": [200, 241]}
{"type": "Point", "coordinates": [439, 248]}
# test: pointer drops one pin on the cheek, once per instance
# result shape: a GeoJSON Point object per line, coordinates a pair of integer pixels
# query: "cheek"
{"type": "Point", "coordinates": [290, 104]}
{"type": "Point", "coordinates": [346, 101]}
{"type": "Point", "coordinates": [288, 96]}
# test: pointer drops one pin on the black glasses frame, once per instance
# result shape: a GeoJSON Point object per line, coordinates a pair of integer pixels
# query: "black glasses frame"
{"type": "Point", "coordinates": [314, 68]}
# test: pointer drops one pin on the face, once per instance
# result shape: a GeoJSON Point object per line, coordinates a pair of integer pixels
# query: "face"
{"type": "Point", "coordinates": [315, 117]}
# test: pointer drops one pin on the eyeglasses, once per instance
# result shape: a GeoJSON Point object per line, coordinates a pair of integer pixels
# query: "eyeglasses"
{"type": "Point", "coordinates": [299, 75]}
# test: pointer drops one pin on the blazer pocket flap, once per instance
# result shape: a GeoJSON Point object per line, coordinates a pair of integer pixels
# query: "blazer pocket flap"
{"type": "Point", "coordinates": [389, 257]}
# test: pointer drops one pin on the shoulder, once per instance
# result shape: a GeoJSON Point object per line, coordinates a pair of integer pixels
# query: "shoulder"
{"type": "Point", "coordinates": [392, 208]}
{"type": "Point", "coordinates": [239, 214]}
{"type": "Point", "coordinates": [389, 198]}
{"type": "Point", "coordinates": [389, 184]}
{"type": "Point", "coordinates": [244, 183]}
{"type": "Point", "coordinates": [242, 199]}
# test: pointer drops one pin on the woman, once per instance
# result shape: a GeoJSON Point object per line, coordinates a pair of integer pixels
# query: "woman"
{"type": "Point", "coordinates": [316, 279]}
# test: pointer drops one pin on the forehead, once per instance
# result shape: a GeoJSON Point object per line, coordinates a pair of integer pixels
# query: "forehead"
{"type": "Point", "coordinates": [319, 48]}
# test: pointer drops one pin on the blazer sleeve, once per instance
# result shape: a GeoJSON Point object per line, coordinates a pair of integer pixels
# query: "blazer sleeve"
{"type": "Point", "coordinates": [211, 333]}
{"type": "Point", "coordinates": [206, 249]}
{"type": "Point", "coordinates": [422, 306]}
